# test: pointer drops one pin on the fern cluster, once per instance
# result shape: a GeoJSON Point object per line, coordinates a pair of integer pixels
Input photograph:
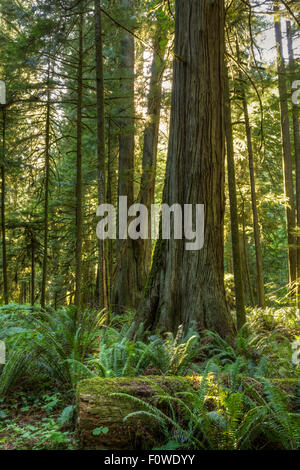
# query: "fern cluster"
{"type": "Point", "coordinates": [48, 343]}
{"type": "Point", "coordinates": [218, 417]}
{"type": "Point", "coordinates": [66, 346]}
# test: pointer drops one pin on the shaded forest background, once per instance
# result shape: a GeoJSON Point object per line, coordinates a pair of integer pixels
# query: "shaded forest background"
{"type": "Point", "coordinates": [87, 119]}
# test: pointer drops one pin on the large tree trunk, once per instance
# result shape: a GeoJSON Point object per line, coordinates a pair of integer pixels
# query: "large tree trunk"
{"type": "Point", "coordinates": [186, 286]}
{"type": "Point", "coordinates": [125, 281]}
{"type": "Point", "coordinates": [102, 284]}
{"type": "Point", "coordinates": [296, 129]}
{"type": "Point", "coordinates": [235, 237]}
{"type": "Point", "coordinates": [3, 194]}
{"type": "Point", "coordinates": [78, 248]}
{"type": "Point", "coordinates": [286, 150]}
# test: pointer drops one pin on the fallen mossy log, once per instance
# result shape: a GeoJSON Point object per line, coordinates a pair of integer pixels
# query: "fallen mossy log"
{"type": "Point", "coordinates": [98, 408]}
{"type": "Point", "coordinates": [101, 411]}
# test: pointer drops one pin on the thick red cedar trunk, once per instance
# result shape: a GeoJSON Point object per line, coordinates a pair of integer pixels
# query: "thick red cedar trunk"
{"type": "Point", "coordinates": [186, 286]}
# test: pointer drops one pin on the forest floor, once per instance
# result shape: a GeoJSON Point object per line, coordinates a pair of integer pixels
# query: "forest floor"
{"type": "Point", "coordinates": [31, 420]}
{"type": "Point", "coordinates": [48, 353]}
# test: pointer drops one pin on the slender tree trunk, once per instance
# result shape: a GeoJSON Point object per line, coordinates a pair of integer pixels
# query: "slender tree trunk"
{"type": "Point", "coordinates": [46, 202]}
{"type": "Point", "coordinates": [112, 182]}
{"type": "Point", "coordinates": [256, 229]}
{"type": "Point", "coordinates": [236, 252]}
{"type": "Point", "coordinates": [24, 292]}
{"type": "Point", "coordinates": [125, 293]}
{"type": "Point", "coordinates": [32, 270]}
{"type": "Point", "coordinates": [245, 251]}
{"type": "Point", "coordinates": [109, 201]}
{"type": "Point", "coordinates": [78, 249]}
{"type": "Point", "coordinates": [57, 287]}
{"type": "Point", "coordinates": [296, 129]}
{"type": "Point", "coordinates": [188, 286]}
{"type": "Point", "coordinates": [3, 193]}
{"type": "Point", "coordinates": [150, 151]}
{"type": "Point", "coordinates": [286, 150]}
{"type": "Point", "coordinates": [102, 286]}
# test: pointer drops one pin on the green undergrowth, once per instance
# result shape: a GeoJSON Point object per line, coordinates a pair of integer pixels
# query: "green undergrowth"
{"type": "Point", "coordinates": [50, 352]}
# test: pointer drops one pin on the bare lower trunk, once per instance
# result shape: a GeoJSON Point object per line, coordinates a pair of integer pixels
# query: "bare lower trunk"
{"type": "Point", "coordinates": [296, 129]}
{"type": "Point", "coordinates": [46, 202]}
{"type": "Point", "coordinates": [125, 293]}
{"type": "Point", "coordinates": [236, 253]}
{"type": "Point", "coordinates": [150, 152]}
{"type": "Point", "coordinates": [256, 229]}
{"type": "Point", "coordinates": [3, 228]}
{"type": "Point", "coordinates": [286, 152]}
{"type": "Point", "coordinates": [102, 284]}
{"type": "Point", "coordinates": [78, 249]}
{"type": "Point", "coordinates": [188, 286]}
{"type": "Point", "coordinates": [32, 270]}
{"type": "Point", "coordinates": [111, 196]}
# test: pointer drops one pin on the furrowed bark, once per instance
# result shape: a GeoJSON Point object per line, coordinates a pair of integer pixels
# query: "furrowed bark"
{"type": "Point", "coordinates": [188, 286]}
{"type": "Point", "coordinates": [78, 248]}
{"type": "Point", "coordinates": [102, 282]}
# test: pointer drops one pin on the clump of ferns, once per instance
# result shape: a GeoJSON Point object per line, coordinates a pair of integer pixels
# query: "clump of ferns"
{"type": "Point", "coordinates": [281, 425]}
{"type": "Point", "coordinates": [52, 343]}
{"type": "Point", "coordinates": [246, 344]}
{"type": "Point", "coordinates": [266, 355]}
{"type": "Point", "coordinates": [120, 356]}
{"type": "Point", "coordinates": [283, 320]}
{"type": "Point", "coordinates": [172, 355]}
{"type": "Point", "coordinates": [16, 329]}
{"type": "Point", "coordinates": [120, 359]}
{"type": "Point", "coordinates": [68, 345]}
{"type": "Point", "coordinates": [67, 340]}
{"type": "Point", "coordinates": [215, 417]}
